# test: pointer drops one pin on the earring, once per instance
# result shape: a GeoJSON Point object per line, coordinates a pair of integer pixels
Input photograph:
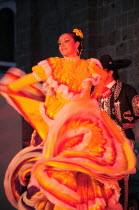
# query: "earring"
{"type": "Point", "coordinates": [78, 51]}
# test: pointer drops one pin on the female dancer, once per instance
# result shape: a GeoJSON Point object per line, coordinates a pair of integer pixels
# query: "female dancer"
{"type": "Point", "coordinates": [83, 152]}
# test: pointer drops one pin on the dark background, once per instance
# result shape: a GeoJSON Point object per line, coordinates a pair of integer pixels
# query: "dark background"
{"type": "Point", "coordinates": [29, 33]}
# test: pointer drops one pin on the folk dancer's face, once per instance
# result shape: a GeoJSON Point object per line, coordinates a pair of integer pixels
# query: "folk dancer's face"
{"type": "Point", "coordinates": [67, 45]}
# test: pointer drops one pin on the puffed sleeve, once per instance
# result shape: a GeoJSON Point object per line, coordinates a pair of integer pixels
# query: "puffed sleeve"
{"type": "Point", "coordinates": [97, 71]}
{"type": "Point", "coordinates": [95, 68]}
{"type": "Point", "coordinates": [38, 74]}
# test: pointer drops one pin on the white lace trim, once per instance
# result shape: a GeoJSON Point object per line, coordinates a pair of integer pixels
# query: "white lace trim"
{"type": "Point", "coordinates": [44, 116]}
{"type": "Point", "coordinates": [36, 76]}
{"type": "Point", "coordinates": [71, 59]}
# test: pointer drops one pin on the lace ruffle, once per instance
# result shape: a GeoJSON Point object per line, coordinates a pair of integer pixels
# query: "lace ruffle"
{"type": "Point", "coordinates": [59, 87]}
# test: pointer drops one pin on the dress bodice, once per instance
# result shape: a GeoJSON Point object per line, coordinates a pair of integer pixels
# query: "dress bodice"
{"type": "Point", "coordinates": [64, 76]}
{"type": "Point", "coordinates": [64, 81]}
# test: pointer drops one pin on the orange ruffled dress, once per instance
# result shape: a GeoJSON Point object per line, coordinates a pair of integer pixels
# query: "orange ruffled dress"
{"type": "Point", "coordinates": [83, 153]}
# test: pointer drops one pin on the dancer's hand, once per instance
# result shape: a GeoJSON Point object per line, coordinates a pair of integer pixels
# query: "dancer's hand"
{"type": "Point", "coordinates": [86, 85]}
{"type": "Point", "coordinates": [4, 88]}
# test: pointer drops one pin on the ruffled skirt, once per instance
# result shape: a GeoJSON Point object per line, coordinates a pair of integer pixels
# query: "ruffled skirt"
{"type": "Point", "coordinates": [78, 163]}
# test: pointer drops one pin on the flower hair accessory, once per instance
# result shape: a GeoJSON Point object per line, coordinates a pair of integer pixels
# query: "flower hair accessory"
{"type": "Point", "coordinates": [78, 32]}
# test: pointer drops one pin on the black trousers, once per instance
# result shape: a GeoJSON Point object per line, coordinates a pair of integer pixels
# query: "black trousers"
{"type": "Point", "coordinates": [123, 183]}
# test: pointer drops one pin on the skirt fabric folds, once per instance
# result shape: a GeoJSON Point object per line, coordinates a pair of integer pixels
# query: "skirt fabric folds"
{"type": "Point", "coordinates": [78, 163]}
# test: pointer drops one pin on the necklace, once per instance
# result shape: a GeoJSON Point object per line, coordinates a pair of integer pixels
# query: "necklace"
{"type": "Point", "coordinates": [71, 59]}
